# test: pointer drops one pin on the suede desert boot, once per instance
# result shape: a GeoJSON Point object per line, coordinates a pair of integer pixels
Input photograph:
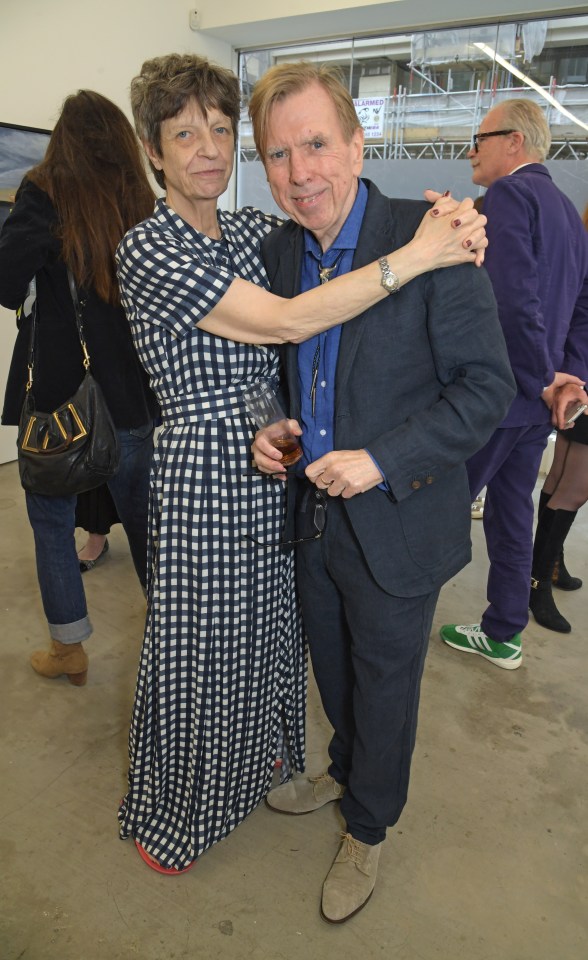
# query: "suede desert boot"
{"type": "Point", "coordinates": [304, 795]}
{"type": "Point", "coordinates": [351, 880]}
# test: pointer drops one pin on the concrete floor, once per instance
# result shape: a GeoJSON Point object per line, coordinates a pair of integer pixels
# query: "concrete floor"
{"type": "Point", "coordinates": [487, 863]}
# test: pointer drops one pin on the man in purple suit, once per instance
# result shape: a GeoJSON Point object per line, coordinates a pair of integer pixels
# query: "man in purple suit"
{"type": "Point", "coordinates": [537, 260]}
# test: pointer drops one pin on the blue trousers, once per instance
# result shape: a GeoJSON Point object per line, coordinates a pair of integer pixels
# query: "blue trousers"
{"type": "Point", "coordinates": [368, 651]}
{"type": "Point", "coordinates": [508, 466]}
{"type": "Point", "coordinates": [53, 522]}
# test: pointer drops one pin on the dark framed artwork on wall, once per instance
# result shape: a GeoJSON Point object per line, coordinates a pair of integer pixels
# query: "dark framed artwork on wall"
{"type": "Point", "coordinates": [20, 149]}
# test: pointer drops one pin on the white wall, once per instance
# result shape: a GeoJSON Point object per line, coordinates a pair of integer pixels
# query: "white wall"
{"type": "Point", "coordinates": [50, 48]}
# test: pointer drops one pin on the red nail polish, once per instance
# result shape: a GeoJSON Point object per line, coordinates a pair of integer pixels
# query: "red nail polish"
{"type": "Point", "coordinates": [468, 243]}
{"type": "Point", "coordinates": [457, 223]}
{"type": "Point", "coordinates": [434, 212]}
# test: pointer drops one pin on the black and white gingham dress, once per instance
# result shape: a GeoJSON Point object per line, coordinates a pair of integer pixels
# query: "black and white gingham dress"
{"type": "Point", "coordinates": [222, 677]}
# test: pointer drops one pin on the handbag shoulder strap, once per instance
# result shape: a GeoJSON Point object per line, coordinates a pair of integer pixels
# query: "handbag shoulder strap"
{"type": "Point", "coordinates": [33, 338]}
{"type": "Point", "coordinates": [32, 299]}
{"type": "Point", "coordinates": [78, 312]}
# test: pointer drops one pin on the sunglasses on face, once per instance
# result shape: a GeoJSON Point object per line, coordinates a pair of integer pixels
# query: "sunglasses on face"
{"type": "Point", "coordinates": [484, 136]}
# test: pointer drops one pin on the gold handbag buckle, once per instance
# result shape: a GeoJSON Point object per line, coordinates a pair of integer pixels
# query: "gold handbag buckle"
{"type": "Point", "coordinates": [67, 437]}
{"type": "Point", "coordinates": [25, 443]}
{"type": "Point", "coordinates": [76, 417]}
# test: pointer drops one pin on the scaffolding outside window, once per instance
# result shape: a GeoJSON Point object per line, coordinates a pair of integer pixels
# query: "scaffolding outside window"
{"type": "Point", "coordinates": [423, 96]}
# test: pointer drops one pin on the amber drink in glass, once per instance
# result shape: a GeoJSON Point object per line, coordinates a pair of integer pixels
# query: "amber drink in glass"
{"type": "Point", "coordinates": [265, 409]}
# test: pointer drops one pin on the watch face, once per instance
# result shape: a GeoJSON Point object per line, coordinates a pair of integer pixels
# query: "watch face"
{"type": "Point", "coordinates": [389, 280]}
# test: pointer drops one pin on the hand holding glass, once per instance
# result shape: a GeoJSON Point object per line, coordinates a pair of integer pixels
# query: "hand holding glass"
{"type": "Point", "coordinates": [265, 409]}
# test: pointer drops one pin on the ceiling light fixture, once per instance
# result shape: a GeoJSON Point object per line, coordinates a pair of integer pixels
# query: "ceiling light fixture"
{"type": "Point", "coordinates": [531, 83]}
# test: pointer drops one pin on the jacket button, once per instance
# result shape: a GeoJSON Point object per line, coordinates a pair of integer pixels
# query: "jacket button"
{"type": "Point", "coordinates": [416, 484]}
{"type": "Point", "coordinates": [429, 479]}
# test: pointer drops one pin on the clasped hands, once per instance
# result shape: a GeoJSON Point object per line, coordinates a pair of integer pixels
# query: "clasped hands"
{"type": "Point", "coordinates": [467, 221]}
{"type": "Point", "coordinates": [343, 473]}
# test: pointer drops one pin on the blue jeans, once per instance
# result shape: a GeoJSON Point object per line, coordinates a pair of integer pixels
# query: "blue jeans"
{"type": "Point", "coordinates": [53, 523]}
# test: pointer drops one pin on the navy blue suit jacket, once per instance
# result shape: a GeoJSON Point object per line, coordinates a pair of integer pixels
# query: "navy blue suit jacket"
{"type": "Point", "coordinates": [537, 260]}
{"type": "Point", "coordinates": [422, 381]}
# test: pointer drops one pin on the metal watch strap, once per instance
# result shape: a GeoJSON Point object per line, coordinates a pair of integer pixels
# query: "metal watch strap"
{"type": "Point", "coordinates": [389, 281]}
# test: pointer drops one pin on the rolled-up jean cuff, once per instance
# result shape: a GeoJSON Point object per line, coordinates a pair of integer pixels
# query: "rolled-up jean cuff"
{"type": "Point", "coordinates": [74, 632]}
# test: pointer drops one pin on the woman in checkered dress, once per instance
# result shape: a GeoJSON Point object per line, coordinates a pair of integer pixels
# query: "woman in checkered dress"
{"type": "Point", "coordinates": [222, 684]}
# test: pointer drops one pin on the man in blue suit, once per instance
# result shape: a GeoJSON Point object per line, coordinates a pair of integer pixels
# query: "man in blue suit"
{"type": "Point", "coordinates": [537, 261]}
{"type": "Point", "coordinates": [391, 405]}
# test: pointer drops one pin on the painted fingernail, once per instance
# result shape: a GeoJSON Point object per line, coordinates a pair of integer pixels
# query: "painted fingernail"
{"type": "Point", "coordinates": [434, 212]}
{"type": "Point", "coordinates": [468, 243]}
{"type": "Point", "coordinates": [457, 223]}
{"type": "Point", "coordinates": [447, 193]}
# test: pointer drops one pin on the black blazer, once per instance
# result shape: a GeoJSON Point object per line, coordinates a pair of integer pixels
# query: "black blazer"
{"type": "Point", "coordinates": [29, 246]}
{"type": "Point", "coordinates": [423, 379]}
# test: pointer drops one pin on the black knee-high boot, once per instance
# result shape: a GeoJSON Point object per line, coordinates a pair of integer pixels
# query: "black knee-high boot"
{"type": "Point", "coordinates": [544, 499]}
{"type": "Point", "coordinates": [552, 529]}
{"type": "Point", "coordinates": [561, 577]}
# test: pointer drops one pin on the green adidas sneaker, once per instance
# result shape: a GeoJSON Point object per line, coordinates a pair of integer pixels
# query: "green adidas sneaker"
{"type": "Point", "coordinates": [471, 639]}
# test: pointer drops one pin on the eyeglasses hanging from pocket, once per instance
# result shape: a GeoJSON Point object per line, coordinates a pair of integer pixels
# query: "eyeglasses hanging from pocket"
{"type": "Point", "coordinates": [312, 512]}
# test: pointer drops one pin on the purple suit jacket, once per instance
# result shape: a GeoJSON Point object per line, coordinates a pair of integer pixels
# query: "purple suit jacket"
{"type": "Point", "coordinates": [538, 264]}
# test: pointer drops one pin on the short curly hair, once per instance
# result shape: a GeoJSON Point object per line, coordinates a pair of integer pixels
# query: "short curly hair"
{"type": "Point", "coordinates": [166, 84]}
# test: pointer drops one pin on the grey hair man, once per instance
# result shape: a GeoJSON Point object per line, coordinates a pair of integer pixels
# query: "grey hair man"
{"type": "Point", "coordinates": [537, 261]}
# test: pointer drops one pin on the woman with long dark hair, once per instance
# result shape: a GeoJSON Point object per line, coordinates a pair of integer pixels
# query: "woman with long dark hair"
{"type": "Point", "coordinates": [70, 212]}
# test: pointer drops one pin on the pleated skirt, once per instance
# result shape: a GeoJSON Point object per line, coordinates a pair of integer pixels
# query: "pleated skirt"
{"type": "Point", "coordinates": [221, 689]}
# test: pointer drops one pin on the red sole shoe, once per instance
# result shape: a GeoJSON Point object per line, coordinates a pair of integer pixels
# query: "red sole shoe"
{"type": "Point", "coordinates": [167, 871]}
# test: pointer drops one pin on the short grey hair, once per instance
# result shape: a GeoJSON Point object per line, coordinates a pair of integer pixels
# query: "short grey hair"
{"type": "Point", "coordinates": [529, 119]}
{"type": "Point", "coordinates": [166, 84]}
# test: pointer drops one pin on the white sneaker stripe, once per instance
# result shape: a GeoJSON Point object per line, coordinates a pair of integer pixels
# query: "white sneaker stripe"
{"type": "Point", "coordinates": [516, 652]}
{"type": "Point", "coordinates": [478, 640]}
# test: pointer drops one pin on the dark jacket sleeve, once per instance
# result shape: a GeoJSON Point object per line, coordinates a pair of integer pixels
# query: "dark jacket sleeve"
{"type": "Point", "coordinates": [472, 387]}
{"type": "Point", "coordinates": [28, 242]}
{"type": "Point", "coordinates": [30, 247]}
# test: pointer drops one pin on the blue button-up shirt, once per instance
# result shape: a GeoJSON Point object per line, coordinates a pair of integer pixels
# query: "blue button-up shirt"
{"type": "Point", "coordinates": [318, 434]}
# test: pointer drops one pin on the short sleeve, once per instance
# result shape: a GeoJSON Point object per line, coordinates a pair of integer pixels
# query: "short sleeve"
{"type": "Point", "coordinates": [164, 282]}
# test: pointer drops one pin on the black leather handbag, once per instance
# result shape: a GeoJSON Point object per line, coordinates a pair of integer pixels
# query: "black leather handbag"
{"type": "Point", "coordinates": [74, 448]}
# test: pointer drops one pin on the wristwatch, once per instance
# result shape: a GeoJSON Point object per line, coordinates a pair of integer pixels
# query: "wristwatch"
{"type": "Point", "coordinates": [389, 281]}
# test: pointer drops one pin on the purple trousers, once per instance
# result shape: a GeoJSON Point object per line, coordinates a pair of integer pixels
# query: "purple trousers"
{"type": "Point", "coordinates": [508, 466]}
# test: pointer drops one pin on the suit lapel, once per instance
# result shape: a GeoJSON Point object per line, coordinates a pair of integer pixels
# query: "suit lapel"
{"type": "Point", "coordinates": [375, 240]}
{"type": "Point", "coordinates": [285, 281]}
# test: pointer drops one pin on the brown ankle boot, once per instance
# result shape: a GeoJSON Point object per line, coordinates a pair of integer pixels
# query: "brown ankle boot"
{"type": "Point", "coordinates": [63, 658]}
